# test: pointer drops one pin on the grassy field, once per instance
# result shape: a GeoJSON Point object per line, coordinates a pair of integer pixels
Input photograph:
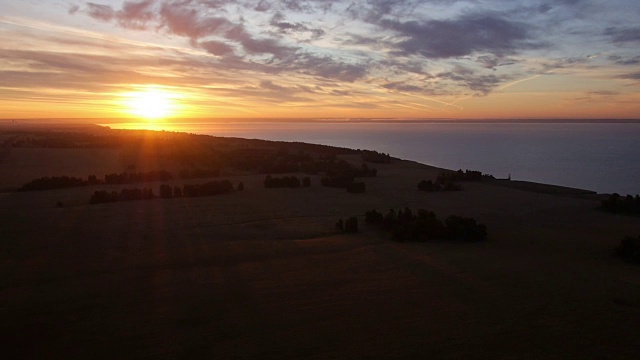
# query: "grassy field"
{"type": "Point", "coordinates": [261, 274]}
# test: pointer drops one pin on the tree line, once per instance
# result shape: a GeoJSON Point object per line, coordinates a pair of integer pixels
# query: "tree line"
{"type": "Point", "coordinates": [286, 182]}
{"type": "Point", "coordinates": [61, 182]}
{"type": "Point", "coordinates": [375, 157]}
{"type": "Point", "coordinates": [210, 188]}
{"type": "Point", "coordinates": [621, 204]}
{"type": "Point", "coordinates": [447, 181]}
{"type": "Point", "coordinates": [405, 225]}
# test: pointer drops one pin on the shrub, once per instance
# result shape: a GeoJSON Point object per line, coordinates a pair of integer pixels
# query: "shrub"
{"type": "Point", "coordinates": [404, 225]}
{"type": "Point", "coordinates": [629, 249]}
{"type": "Point", "coordinates": [356, 187]}
{"type": "Point", "coordinates": [351, 225]}
{"type": "Point", "coordinates": [287, 181]}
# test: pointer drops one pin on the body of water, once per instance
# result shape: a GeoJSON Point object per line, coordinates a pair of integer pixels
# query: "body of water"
{"type": "Point", "coordinates": [594, 156]}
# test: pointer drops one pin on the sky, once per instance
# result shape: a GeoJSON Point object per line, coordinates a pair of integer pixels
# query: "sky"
{"type": "Point", "coordinates": [337, 59]}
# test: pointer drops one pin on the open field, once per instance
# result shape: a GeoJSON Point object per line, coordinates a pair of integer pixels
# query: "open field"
{"type": "Point", "coordinates": [261, 274]}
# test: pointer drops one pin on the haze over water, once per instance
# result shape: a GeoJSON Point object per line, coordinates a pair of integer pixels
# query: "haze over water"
{"type": "Point", "coordinates": [604, 157]}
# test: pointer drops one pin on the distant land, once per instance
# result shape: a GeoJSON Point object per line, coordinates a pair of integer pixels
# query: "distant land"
{"type": "Point", "coordinates": [130, 244]}
{"type": "Point", "coordinates": [107, 121]}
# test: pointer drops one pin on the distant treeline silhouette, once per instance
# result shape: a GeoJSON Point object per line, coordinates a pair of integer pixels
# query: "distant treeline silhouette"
{"type": "Point", "coordinates": [55, 182]}
{"type": "Point", "coordinates": [375, 157]}
{"type": "Point", "coordinates": [344, 175]}
{"type": "Point", "coordinates": [286, 182]}
{"type": "Point", "coordinates": [350, 226]}
{"type": "Point", "coordinates": [210, 188]}
{"type": "Point", "coordinates": [629, 249]}
{"type": "Point", "coordinates": [621, 204]}
{"type": "Point", "coordinates": [103, 196]}
{"type": "Point", "coordinates": [404, 225]}
{"type": "Point", "coordinates": [446, 181]}
{"type": "Point", "coordinates": [60, 182]}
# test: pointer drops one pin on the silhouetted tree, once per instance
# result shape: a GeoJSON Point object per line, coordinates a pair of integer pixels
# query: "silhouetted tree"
{"type": "Point", "coordinates": [356, 187]}
{"type": "Point", "coordinates": [629, 249]}
{"type": "Point", "coordinates": [351, 225]}
{"type": "Point", "coordinates": [166, 191]}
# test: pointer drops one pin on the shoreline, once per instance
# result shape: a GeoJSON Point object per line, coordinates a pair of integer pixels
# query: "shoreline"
{"type": "Point", "coordinates": [524, 185]}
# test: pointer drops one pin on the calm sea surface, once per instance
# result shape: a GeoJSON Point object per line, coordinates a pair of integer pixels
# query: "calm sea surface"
{"type": "Point", "coordinates": [594, 156]}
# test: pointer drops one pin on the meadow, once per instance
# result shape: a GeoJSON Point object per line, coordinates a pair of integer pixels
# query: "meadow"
{"type": "Point", "coordinates": [262, 273]}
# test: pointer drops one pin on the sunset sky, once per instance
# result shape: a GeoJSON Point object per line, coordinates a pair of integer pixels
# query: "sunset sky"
{"type": "Point", "coordinates": [320, 59]}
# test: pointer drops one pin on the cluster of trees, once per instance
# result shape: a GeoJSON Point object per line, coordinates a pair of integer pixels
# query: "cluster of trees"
{"type": "Point", "coordinates": [60, 182]}
{"type": "Point", "coordinates": [467, 175]}
{"type": "Point", "coordinates": [103, 196]}
{"type": "Point", "coordinates": [344, 175]}
{"type": "Point", "coordinates": [629, 249]}
{"type": "Point", "coordinates": [350, 226]}
{"type": "Point", "coordinates": [430, 186]}
{"type": "Point", "coordinates": [356, 188]}
{"type": "Point", "coordinates": [446, 181]}
{"type": "Point", "coordinates": [137, 177]}
{"type": "Point", "coordinates": [55, 182]}
{"type": "Point", "coordinates": [286, 182]}
{"type": "Point", "coordinates": [621, 204]}
{"type": "Point", "coordinates": [210, 188]}
{"type": "Point", "coordinates": [198, 173]}
{"type": "Point", "coordinates": [404, 225]}
{"type": "Point", "coordinates": [375, 157]}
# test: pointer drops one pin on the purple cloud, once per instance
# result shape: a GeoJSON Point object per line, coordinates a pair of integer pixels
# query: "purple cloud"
{"type": "Point", "coordinates": [438, 39]}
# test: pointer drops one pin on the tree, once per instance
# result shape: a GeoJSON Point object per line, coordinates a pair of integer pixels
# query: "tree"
{"type": "Point", "coordinates": [166, 191]}
{"type": "Point", "coordinates": [351, 225]}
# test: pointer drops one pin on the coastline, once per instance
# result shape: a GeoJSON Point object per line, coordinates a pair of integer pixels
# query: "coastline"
{"type": "Point", "coordinates": [262, 272]}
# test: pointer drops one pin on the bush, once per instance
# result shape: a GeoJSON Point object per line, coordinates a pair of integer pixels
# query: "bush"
{"type": "Point", "coordinates": [373, 217]}
{"type": "Point", "coordinates": [629, 249]}
{"type": "Point", "coordinates": [621, 204]}
{"type": "Point", "coordinates": [351, 225]}
{"type": "Point", "coordinates": [356, 188]}
{"type": "Point", "coordinates": [287, 181]}
{"type": "Point", "coordinates": [166, 191]}
{"type": "Point", "coordinates": [404, 225]}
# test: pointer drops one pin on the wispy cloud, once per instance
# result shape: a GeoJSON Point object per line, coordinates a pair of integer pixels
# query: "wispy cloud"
{"type": "Point", "coordinates": [373, 54]}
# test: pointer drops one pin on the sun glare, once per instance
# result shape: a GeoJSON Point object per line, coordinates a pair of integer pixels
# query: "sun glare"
{"type": "Point", "coordinates": [151, 103]}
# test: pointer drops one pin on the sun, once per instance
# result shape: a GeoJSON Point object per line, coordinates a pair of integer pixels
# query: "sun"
{"type": "Point", "coordinates": [151, 103]}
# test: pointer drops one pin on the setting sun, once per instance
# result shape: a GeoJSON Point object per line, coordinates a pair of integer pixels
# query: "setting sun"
{"type": "Point", "coordinates": [151, 103]}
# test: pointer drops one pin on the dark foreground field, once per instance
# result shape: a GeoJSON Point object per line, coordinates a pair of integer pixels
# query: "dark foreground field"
{"type": "Point", "coordinates": [259, 274]}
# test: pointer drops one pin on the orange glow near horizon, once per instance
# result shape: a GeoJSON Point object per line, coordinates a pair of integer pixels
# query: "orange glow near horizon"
{"type": "Point", "coordinates": [152, 103]}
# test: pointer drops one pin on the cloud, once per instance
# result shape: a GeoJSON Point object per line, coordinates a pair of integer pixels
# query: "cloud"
{"type": "Point", "coordinates": [403, 87]}
{"type": "Point", "coordinates": [623, 34]}
{"type": "Point", "coordinates": [101, 12]}
{"type": "Point", "coordinates": [134, 15]}
{"type": "Point", "coordinates": [474, 33]}
{"type": "Point", "coordinates": [635, 60]}
{"type": "Point", "coordinates": [216, 47]}
{"type": "Point", "coordinates": [630, 76]}
{"type": "Point", "coordinates": [327, 67]}
{"type": "Point", "coordinates": [481, 85]}
{"type": "Point", "coordinates": [279, 22]}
